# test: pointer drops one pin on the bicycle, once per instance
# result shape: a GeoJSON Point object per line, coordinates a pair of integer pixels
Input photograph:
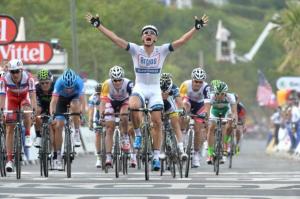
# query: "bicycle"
{"type": "Point", "coordinates": [144, 153]}
{"type": "Point", "coordinates": [118, 154]}
{"type": "Point", "coordinates": [2, 148]}
{"type": "Point", "coordinates": [45, 149]}
{"type": "Point", "coordinates": [69, 151]}
{"type": "Point", "coordinates": [190, 133]}
{"type": "Point", "coordinates": [18, 147]}
{"type": "Point", "coordinates": [218, 145]}
{"type": "Point", "coordinates": [169, 146]}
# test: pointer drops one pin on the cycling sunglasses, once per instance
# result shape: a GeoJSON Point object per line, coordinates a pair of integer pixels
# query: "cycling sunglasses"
{"type": "Point", "coordinates": [151, 32]}
{"type": "Point", "coordinates": [198, 82]}
{"type": "Point", "coordinates": [220, 94]}
{"type": "Point", "coordinates": [14, 71]}
{"type": "Point", "coordinates": [117, 80]}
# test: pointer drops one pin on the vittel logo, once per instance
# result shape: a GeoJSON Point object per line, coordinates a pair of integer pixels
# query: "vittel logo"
{"type": "Point", "coordinates": [29, 52]}
{"type": "Point", "coordinates": [8, 29]}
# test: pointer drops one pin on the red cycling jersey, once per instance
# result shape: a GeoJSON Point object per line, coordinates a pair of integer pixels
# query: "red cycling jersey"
{"type": "Point", "coordinates": [17, 94]}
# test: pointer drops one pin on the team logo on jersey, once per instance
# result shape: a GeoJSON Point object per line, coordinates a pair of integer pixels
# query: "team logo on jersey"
{"type": "Point", "coordinates": [149, 61]}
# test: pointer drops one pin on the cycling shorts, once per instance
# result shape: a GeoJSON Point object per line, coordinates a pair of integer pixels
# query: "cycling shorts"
{"type": "Point", "coordinates": [196, 108]}
{"type": "Point", "coordinates": [114, 106]}
{"type": "Point", "coordinates": [62, 105]}
{"type": "Point", "coordinates": [150, 93]}
{"type": "Point", "coordinates": [14, 102]}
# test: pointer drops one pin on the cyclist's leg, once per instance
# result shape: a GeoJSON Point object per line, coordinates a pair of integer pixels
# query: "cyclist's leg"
{"type": "Point", "coordinates": [37, 126]}
{"type": "Point", "coordinates": [9, 146]}
{"type": "Point", "coordinates": [59, 122]}
{"type": "Point", "coordinates": [25, 105]}
{"type": "Point", "coordinates": [110, 126]}
{"type": "Point", "coordinates": [211, 134]}
{"type": "Point", "coordinates": [136, 100]}
{"type": "Point", "coordinates": [75, 107]}
{"type": "Point", "coordinates": [197, 108]}
{"type": "Point", "coordinates": [156, 103]}
{"type": "Point", "coordinates": [176, 126]}
{"type": "Point", "coordinates": [124, 127]}
{"type": "Point", "coordinates": [183, 121]}
{"type": "Point", "coordinates": [12, 104]}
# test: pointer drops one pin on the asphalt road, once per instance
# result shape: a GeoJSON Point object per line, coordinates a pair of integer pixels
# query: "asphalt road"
{"type": "Point", "coordinates": [254, 175]}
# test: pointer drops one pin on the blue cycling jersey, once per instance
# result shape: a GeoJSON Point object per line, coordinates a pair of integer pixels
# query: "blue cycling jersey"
{"type": "Point", "coordinates": [61, 90]}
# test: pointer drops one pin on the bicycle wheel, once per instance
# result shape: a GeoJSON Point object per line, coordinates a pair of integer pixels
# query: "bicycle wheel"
{"type": "Point", "coordinates": [173, 168]}
{"type": "Point", "coordinates": [232, 152]}
{"type": "Point", "coordinates": [177, 159]}
{"type": "Point", "coordinates": [189, 151]}
{"type": "Point", "coordinates": [18, 150]}
{"type": "Point", "coordinates": [139, 159]}
{"type": "Point", "coordinates": [146, 151]}
{"type": "Point", "coordinates": [68, 151]}
{"type": "Point", "coordinates": [218, 151]}
{"type": "Point", "coordinates": [125, 163]}
{"type": "Point", "coordinates": [2, 153]}
{"type": "Point", "coordinates": [103, 151]}
{"type": "Point", "coordinates": [117, 153]}
{"type": "Point", "coordinates": [41, 154]}
{"type": "Point", "coordinates": [46, 151]}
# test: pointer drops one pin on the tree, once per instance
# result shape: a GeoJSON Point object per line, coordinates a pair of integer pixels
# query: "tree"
{"type": "Point", "coordinates": [289, 35]}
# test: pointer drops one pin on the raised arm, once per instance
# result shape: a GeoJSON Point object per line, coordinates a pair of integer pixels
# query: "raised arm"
{"type": "Point", "coordinates": [95, 21]}
{"type": "Point", "coordinates": [188, 35]}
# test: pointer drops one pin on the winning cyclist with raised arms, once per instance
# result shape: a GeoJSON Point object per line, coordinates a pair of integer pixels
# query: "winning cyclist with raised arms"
{"type": "Point", "coordinates": [148, 60]}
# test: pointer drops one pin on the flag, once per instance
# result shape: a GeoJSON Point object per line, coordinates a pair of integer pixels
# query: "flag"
{"type": "Point", "coordinates": [264, 94]}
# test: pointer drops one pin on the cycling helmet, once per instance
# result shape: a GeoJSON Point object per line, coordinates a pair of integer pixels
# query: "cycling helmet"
{"type": "Point", "coordinates": [220, 87]}
{"type": "Point", "coordinates": [44, 74]}
{"type": "Point", "coordinates": [150, 27]}
{"type": "Point", "coordinates": [98, 88]}
{"type": "Point", "coordinates": [69, 78]}
{"type": "Point", "coordinates": [166, 82]}
{"type": "Point", "coordinates": [116, 72]}
{"type": "Point", "coordinates": [198, 74]}
{"type": "Point", "coordinates": [15, 64]}
{"type": "Point", "coordinates": [215, 82]}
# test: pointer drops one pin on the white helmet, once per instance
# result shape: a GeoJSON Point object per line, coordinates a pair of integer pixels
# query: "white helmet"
{"type": "Point", "coordinates": [15, 64]}
{"type": "Point", "coordinates": [198, 74]}
{"type": "Point", "coordinates": [150, 27]}
{"type": "Point", "coordinates": [116, 72]}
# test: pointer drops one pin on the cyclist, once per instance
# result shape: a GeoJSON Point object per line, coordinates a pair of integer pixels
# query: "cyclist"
{"type": "Point", "coordinates": [114, 99]}
{"type": "Point", "coordinates": [222, 104]}
{"type": "Point", "coordinates": [195, 94]}
{"type": "Point", "coordinates": [241, 112]}
{"type": "Point", "coordinates": [172, 100]}
{"type": "Point", "coordinates": [44, 89]}
{"type": "Point", "coordinates": [68, 91]}
{"type": "Point", "coordinates": [17, 91]}
{"type": "Point", "coordinates": [94, 115]}
{"type": "Point", "coordinates": [148, 60]}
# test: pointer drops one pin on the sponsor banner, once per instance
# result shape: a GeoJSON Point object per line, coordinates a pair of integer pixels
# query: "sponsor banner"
{"type": "Point", "coordinates": [32, 52]}
{"type": "Point", "coordinates": [8, 29]}
{"type": "Point", "coordinates": [292, 83]}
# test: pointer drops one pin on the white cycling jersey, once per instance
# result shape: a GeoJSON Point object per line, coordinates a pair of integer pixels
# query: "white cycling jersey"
{"type": "Point", "coordinates": [147, 68]}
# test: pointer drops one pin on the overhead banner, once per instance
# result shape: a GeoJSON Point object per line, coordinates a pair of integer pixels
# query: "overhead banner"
{"type": "Point", "coordinates": [8, 29]}
{"type": "Point", "coordinates": [31, 52]}
{"type": "Point", "coordinates": [291, 83]}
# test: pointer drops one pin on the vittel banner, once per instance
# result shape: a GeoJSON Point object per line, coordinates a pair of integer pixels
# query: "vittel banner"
{"type": "Point", "coordinates": [35, 52]}
{"type": "Point", "coordinates": [8, 29]}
